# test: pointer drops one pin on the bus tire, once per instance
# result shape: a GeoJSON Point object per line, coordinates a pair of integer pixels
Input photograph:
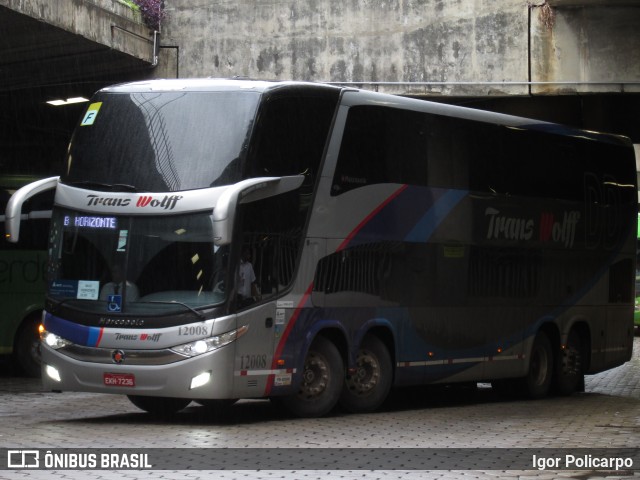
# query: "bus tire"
{"type": "Point", "coordinates": [27, 347]}
{"type": "Point", "coordinates": [537, 382]}
{"type": "Point", "coordinates": [368, 387]}
{"type": "Point", "coordinates": [159, 405]}
{"type": "Point", "coordinates": [322, 378]}
{"type": "Point", "coordinates": [569, 372]}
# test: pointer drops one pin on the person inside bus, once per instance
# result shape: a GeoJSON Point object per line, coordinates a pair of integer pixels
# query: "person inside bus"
{"type": "Point", "coordinates": [117, 286]}
{"type": "Point", "coordinates": [247, 287]}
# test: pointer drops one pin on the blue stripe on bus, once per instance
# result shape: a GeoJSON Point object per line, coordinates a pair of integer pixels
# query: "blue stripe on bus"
{"type": "Point", "coordinates": [430, 221]}
{"type": "Point", "coordinates": [78, 334]}
{"type": "Point", "coordinates": [413, 215]}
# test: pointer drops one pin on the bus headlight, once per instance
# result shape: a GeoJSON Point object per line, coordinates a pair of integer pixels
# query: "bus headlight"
{"type": "Point", "coordinates": [53, 340]}
{"type": "Point", "coordinates": [198, 347]}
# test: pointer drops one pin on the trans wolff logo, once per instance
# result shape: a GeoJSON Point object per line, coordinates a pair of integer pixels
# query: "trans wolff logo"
{"type": "Point", "coordinates": [166, 202]}
{"type": "Point", "coordinates": [560, 230]}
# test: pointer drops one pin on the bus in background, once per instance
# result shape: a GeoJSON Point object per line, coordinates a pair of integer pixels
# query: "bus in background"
{"type": "Point", "coordinates": [221, 239]}
{"type": "Point", "coordinates": [22, 277]}
{"type": "Point", "coordinates": [636, 313]}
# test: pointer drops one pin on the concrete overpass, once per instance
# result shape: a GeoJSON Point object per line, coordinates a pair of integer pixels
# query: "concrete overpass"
{"type": "Point", "coordinates": [571, 61]}
{"type": "Point", "coordinates": [57, 50]}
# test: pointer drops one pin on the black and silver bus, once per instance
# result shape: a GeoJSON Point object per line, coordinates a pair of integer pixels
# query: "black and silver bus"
{"type": "Point", "coordinates": [388, 242]}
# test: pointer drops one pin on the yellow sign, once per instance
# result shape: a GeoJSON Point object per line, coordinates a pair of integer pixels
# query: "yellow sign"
{"type": "Point", "coordinates": [92, 113]}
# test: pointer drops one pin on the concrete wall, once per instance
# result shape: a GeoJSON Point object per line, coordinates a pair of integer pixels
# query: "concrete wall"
{"type": "Point", "coordinates": [444, 47]}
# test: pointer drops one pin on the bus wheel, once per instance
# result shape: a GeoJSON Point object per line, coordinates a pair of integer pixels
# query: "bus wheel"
{"type": "Point", "coordinates": [321, 381]}
{"type": "Point", "coordinates": [159, 405]}
{"type": "Point", "coordinates": [538, 381]}
{"type": "Point", "coordinates": [569, 375]}
{"type": "Point", "coordinates": [27, 347]}
{"type": "Point", "coordinates": [368, 387]}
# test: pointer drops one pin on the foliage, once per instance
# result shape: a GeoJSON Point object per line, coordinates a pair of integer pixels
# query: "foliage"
{"type": "Point", "coordinates": [152, 11]}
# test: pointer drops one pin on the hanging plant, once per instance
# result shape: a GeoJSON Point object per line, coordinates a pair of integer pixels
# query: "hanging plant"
{"type": "Point", "coordinates": [152, 11]}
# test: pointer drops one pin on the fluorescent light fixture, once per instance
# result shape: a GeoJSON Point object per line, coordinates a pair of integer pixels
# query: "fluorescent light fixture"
{"type": "Point", "coordinates": [68, 101]}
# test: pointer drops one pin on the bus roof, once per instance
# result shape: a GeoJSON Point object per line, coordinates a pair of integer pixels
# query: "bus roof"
{"type": "Point", "coordinates": [353, 96]}
{"type": "Point", "coordinates": [209, 85]}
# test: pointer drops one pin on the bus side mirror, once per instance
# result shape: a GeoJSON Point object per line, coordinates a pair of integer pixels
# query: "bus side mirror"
{"type": "Point", "coordinates": [246, 191]}
{"type": "Point", "coordinates": [13, 212]}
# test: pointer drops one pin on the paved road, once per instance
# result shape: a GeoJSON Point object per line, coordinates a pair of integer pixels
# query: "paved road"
{"type": "Point", "coordinates": [606, 415]}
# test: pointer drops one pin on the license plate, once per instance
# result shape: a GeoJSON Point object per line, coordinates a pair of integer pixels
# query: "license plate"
{"type": "Point", "coordinates": [119, 379]}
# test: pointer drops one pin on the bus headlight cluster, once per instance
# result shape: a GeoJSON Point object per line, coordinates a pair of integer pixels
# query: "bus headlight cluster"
{"type": "Point", "coordinates": [205, 345]}
{"type": "Point", "coordinates": [53, 340]}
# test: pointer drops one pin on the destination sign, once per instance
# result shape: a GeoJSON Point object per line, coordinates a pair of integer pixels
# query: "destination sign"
{"type": "Point", "coordinates": [88, 221]}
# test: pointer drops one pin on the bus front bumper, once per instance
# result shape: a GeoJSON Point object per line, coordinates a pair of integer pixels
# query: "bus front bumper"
{"type": "Point", "coordinates": [195, 377]}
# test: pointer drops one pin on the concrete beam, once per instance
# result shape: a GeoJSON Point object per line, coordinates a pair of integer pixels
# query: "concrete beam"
{"type": "Point", "coordinates": [106, 22]}
{"type": "Point", "coordinates": [421, 47]}
{"type": "Point", "coordinates": [591, 3]}
{"type": "Point", "coordinates": [591, 49]}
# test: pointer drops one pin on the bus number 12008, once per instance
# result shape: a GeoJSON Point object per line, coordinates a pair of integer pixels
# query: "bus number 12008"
{"type": "Point", "coordinates": [253, 361]}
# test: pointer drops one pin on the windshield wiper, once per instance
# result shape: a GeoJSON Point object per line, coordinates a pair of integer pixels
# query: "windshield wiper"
{"type": "Point", "coordinates": [55, 305]}
{"type": "Point", "coordinates": [108, 187]}
{"type": "Point", "coordinates": [175, 302]}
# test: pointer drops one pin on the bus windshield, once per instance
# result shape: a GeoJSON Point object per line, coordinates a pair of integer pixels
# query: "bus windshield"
{"type": "Point", "coordinates": [145, 140]}
{"type": "Point", "coordinates": [122, 264]}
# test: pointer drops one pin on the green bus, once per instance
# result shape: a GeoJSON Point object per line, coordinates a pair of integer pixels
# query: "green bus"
{"type": "Point", "coordinates": [22, 277]}
{"type": "Point", "coordinates": [636, 313]}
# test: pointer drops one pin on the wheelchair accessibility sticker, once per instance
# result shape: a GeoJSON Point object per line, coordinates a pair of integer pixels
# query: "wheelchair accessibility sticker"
{"type": "Point", "coordinates": [114, 303]}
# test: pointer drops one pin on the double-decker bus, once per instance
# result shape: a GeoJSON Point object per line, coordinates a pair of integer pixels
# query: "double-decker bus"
{"type": "Point", "coordinates": [388, 242]}
{"type": "Point", "coordinates": [22, 277]}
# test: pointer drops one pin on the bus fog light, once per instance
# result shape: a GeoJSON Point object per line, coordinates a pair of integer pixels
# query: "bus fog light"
{"type": "Point", "coordinates": [200, 380]}
{"type": "Point", "coordinates": [53, 373]}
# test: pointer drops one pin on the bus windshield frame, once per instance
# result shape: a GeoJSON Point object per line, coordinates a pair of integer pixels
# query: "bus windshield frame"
{"type": "Point", "coordinates": [106, 264]}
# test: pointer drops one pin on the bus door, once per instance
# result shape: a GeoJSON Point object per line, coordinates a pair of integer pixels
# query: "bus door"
{"type": "Point", "coordinates": [267, 248]}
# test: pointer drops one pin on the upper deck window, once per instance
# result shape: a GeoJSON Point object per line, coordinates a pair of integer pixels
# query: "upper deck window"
{"type": "Point", "coordinates": [163, 141]}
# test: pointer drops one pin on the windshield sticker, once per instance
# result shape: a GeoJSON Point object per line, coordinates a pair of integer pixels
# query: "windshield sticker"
{"type": "Point", "coordinates": [92, 113]}
{"type": "Point", "coordinates": [64, 288]}
{"type": "Point", "coordinates": [122, 241]}
{"type": "Point", "coordinates": [88, 289]}
{"type": "Point", "coordinates": [80, 289]}
{"type": "Point", "coordinates": [114, 303]}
